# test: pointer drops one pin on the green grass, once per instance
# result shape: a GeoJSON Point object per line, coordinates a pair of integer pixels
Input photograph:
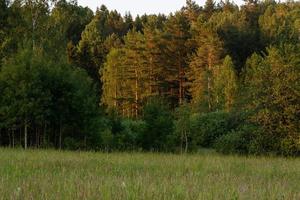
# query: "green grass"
{"type": "Point", "coordinates": [76, 175]}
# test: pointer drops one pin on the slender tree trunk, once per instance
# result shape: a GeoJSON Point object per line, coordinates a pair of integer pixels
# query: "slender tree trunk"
{"type": "Point", "coordinates": [181, 82]}
{"type": "Point", "coordinates": [151, 75]}
{"type": "Point", "coordinates": [116, 96]}
{"type": "Point", "coordinates": [36, 138]}
{"type": "Point", "coordinates": [186, 141]}
{"type": "Point", "coordinates": [136, 94]}
{"type": "Point", "coordinates": [33, 21]}
{"type": "Point", "coordinates": [20, 136]}
{"type": "Point", "coordinates": [85, 142]}
{"type": "Point", "coordinates": [209, 92]}
{"type": "Point", "coordinates": [9, 138]}
{"type": "Point", "coordinates": [181, 143]}
{"type": "Point", "coordinates": [60, 135]}
{"type": "Point", "coordinates": [209, 81]}
{"type": "Point", "coordinates": [25, 134]}
{"type": "Point", "coordinates": [13, 138]}
{"type": "Point", "coordinates": [180, 85]}
{"type": "Point", "coordinates": [45, 135]}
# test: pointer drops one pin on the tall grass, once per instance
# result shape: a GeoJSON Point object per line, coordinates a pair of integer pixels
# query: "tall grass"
{"type": "Point", "coordinates": [76, 175]}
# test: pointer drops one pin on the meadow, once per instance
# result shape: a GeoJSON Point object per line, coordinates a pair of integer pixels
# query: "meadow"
{"type": "Point", "coordinates": [49, 174]}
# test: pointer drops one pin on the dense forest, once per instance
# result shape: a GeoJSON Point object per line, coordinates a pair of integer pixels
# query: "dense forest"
{"type": "Point", "coordinates": [215, 76]}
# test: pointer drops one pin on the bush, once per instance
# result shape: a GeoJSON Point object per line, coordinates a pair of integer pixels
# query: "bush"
{"type": "Point", "coordinates": [244, 140]}
{"type": "Point", "coordinates": [125, 137]}
{"type": "Point", "coordinates": [107, 139]}
{"type": "Point", "coordinates": [290, 146]}
{"type": "Point", "coordinates": [129, 137]}
{"type": "Point", "coordinates": [71, 144]}
{"type": "Point", "coordinates": [234, 142]}
{"type": "Point", "coordinates": [159, 125]}
{"type": "Point", "coordinates": [208, 127]}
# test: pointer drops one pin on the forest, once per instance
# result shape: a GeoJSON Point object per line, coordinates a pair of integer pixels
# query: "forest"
{"type": "Point", "coordinates": [218, 76]}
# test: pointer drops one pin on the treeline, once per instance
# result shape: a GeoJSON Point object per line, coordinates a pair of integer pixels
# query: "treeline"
{"type": "Point", "coordinates": [218, 76]}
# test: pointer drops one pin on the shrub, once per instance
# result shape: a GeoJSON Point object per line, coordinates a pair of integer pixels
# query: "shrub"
{"type": "Point", "coordinates": [71, 144]}
{"type": "Point", "coordinates": [206, 128]}
{"type": "Point", "coordinates": [159, 125]}
{"type": "Point", "coordinates": [128, 138]}
{"type": "Point", "coordinates": [234, 142]}
{"type": "Point", "coordinates": [245, 139]}
{"type": "Point", "coordinates": [107, 139]}
{"type": "Point", "coordinates": [290, 146]}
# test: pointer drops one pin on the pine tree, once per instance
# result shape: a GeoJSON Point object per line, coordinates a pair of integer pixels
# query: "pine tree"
{"type": "Point", "coordinates": [113, 81]}
{"type": "Point", "coordinates": [279, 25]}
{"type": "Point", "coordinates": [202, 66]}
{"type": "Point", "coordinates": [209, 8]}
{"type": "Point", "coordinates": [154, 59]}
{"type": "Point", "coordinates": [192, 10]}
{"type": "Point", "coordinates": [135, 70]}
{"type": "Point", "coordinates": [175, 37]}
{"type": "Point", "coordinates": [125, 76]}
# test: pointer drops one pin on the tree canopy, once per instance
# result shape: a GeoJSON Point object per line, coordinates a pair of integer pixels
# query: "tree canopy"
{"type": "Point", "coordinates": [72, 78]}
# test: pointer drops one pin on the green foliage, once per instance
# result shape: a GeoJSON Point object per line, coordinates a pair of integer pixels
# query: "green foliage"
{"type": "Point", "coordinates": [130, 137]}
{"type": "Point", "coordinates": [71, 144]}
{"type": "Point", "coordinates": [107, 140]}
{"type": "Point", "coordinates": [225, 84]}
{"type": "Point", "coordinates": [159, 125]}
{"type": "Point", "coordinates": [273, 88]}
{"type": "Point", "coordinates": [174, 40]}
{"type": "Point", "coordinates": [242, 140]}
{"type": "Point", "coordinates": [231, 143]}
{"type": "Point", "coordinates": [183, 125]}
{"type": "Point", "coordinates": [36, 92]}
{"type": "Point", "coordinates": [280, 24]}
{"type": "Point", "coordinates": [203, 66]}
{"type": "Point", "coordinates": [208, 127]}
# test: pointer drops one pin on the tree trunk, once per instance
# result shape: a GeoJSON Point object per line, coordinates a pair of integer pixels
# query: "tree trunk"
{"type": "Point", "coordinates": [209, 93]}
{"type": "Point", "coordinates": [136, 94]}
{"type": "Point", "coordinates": [45, 135]}
{"type": "Point", "coordinates": [9, 138]}
{"type": "Point", "coordinates": [85, 142]}
{"type": "Point", "coordinates": [151, 76]}
{"type": "Point", "coordinates": [60, 135]}
{"type": "Point", "coordinates": [186, 141]}
{"type": "Point", "coordinates": [13, 138]}
{"type": "Point", "coordinates": [36, 137]}
{"type": "Point", "coordinates": [20, 137]}
{"type": "Point", "coordinates": [181, 143]}
{"type": "Point", "coordinates": [180, 86]}
{"type": "Point", "coordinates": [116, 97]}
{"type": "Point", "coordinates": [25, 134]}
{"type": "Point", "coordinates": [209, 81]}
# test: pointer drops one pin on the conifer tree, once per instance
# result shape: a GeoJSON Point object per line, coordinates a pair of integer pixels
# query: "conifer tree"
{"type": "Point", "coordinates": [202, 66]}
{"type": "Point", "coordinates": [209, 8]}
{"type": "Point", "coordinates": [154, 59]}
{"type": "Point", "coordinates": [192, 10]}
{"type": "Point", "coordinates": [135, 70]}
{"type": "Point", "coordinates": [175, 37]}
{"type": "Point", "coordinates": [113, 81]}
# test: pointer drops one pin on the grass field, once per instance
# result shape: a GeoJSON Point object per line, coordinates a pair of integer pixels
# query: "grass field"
{"type": "Point", "coordinates": [74, 175]}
